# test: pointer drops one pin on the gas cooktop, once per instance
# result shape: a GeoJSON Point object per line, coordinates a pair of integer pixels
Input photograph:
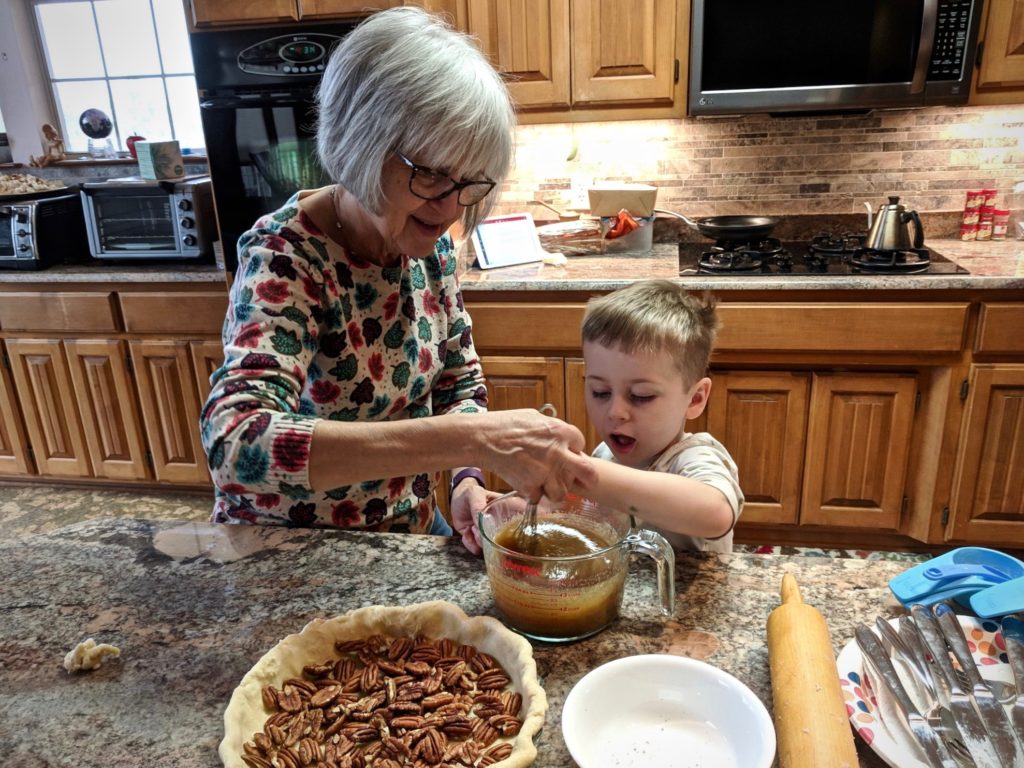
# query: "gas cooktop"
{"type": "Point", "coordinates": [824, 254]}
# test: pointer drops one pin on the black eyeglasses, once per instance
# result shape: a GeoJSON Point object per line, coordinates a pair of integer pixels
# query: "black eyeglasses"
{"type": "Point", "coordinates": [428, 184]}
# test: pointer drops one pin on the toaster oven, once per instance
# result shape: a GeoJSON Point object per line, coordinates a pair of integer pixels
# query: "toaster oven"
{"type": "Point", "coordinates": [38, 231]}
{"type": "Point", "coordinates": [141, 219]}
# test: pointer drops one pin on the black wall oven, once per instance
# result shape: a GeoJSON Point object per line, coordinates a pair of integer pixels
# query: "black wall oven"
{"type": "Point", "coordinates": [256, 97]}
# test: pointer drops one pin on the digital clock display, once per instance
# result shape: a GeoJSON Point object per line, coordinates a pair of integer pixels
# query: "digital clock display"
{"type": "Point", "coordinates": [302, 52]}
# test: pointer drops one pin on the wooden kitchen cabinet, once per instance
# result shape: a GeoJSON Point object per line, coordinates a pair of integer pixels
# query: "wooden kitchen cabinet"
{"type": "Point", "coordinates": [999, 76]}
{"type": "Point", "coordinates": [314, 9]}
{"type": "Point", "coordinates": [988, 491]}
{"type": "Point", "coordinates": [106, 386]}
{"type": "Point", "coordinates": [207, 357]}
{"type": "Point", "coordinates": [858, 441]}
{"type": "Point", "coordinates": [207, 13]}
{"type": "Point", "coordinates": [761, 418]}
{"type": "Point", "coordinates": [45, 391]}
{"type": "Point", "coordinates": [586, 60]}
{"type": "Point", "coordinates": [170, 409]}
{"type": "Point", "coordinates": [107, 406]}
{"type": "Point", "coordinates": [522, 382]}
{"type": "Point", "coordinates": [14, 449]}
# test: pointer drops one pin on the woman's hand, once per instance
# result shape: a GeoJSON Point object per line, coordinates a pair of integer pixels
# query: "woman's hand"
{"type": "Point", "coordinates": [538, 455]}
{"type": "Point", "coordinates": [468, 498]}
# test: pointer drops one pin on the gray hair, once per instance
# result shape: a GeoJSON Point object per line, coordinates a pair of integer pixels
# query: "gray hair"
{"type": "Point", "coordinates": [656, 316]}
{"type": "Point", "coordinates": [405, 81]}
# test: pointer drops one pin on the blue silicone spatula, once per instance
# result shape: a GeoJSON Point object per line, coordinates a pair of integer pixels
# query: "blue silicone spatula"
{"type": "Point", "coordinates": [999, 599]}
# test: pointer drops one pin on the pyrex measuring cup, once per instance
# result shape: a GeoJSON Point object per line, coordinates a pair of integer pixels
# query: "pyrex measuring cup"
{"type": "Point", "coordinates": [561, 597]}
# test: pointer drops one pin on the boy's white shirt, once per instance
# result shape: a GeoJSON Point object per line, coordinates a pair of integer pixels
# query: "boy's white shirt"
{"type": "Point", "coordinates": [697, 456]}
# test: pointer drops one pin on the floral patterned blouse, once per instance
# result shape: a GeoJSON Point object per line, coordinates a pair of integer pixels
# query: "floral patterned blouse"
{"type": "Point", "coordinates": [313, 332]}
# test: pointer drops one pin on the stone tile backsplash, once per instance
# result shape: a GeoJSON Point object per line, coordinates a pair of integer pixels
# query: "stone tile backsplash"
{"type": "Point", "coordinates": [778, 165]}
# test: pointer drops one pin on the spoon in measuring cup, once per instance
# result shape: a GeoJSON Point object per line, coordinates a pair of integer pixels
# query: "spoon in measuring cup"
{"type": "Point", "coordinates": [525, 534]}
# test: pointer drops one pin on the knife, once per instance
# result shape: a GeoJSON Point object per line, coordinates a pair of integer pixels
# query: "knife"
{"type": "Point", "coordinates": [935, 751]}
{"type": "Point", "coordinates": [968, 722]}
{"type": "Point", "coordinates": [936, 683]}
{"type": "Point", "coordinates": [991, 711]}
{"type": "Point", "coordinates": [1013, 636]}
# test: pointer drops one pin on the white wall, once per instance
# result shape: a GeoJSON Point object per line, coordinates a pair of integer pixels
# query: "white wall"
{"type": "Point", "coordinates": [25, 97]}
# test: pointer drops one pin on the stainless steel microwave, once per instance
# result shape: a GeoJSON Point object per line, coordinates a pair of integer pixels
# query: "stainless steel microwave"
{"type": "Point", "coordinates": [812, 56]}
{"type": "Point", "coordinates": [142, 219]}
{"type": "Point", "coordinates": [38, 231]}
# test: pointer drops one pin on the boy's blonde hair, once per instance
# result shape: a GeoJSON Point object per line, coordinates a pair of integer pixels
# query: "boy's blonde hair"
{"type": "Point", "coordinates": [656, 316]}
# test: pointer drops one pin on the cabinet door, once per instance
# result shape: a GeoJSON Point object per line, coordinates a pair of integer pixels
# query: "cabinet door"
{"type": "Point", "coordinates": [106, 402]}
{"type": "Point", "coordinates": [858, 442]}
{"type": "Point", "coordinates": [14, 458]}
{"type": "Point", "coordinates": [311, 9]}
{"type": "Point", "coordinates": [1002, 61]}
{"type": "Point", "coordinates": [167, 392]}
{"type": "Point", "coordinates": [988, 491]}
{"type": "Point", "coordinates": [211, 12]}
{"type": "Point", "coordinates": [761, 418]}
{"type": "Point", "coordinates": [207, 357]}
{"type": "Point", "coordinates": [576, 403]}
{"type": "Point", "coordinates": [528, 42]}
{"type": "Point", "coordinates": [47, 399]}
{"type": "Point", "coordinates": [523, 382]}
{"type": "Point", "coordinates": [623, 51]}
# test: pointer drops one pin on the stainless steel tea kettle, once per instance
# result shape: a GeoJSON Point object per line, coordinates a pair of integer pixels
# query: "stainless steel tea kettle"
{"type": "Point", "coordinates": [889, 230]}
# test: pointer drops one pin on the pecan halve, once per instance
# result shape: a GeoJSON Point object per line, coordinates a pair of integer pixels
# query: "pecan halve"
{"type": "Point", "coordinates": [399, 648]}
{"type": "Point", "coordinates": [437, 700]}
{"type": "Point", "coordinates": [431, 746]}
{"type": "Point", "coordinates": [457, 726]}
{"type": "Point", "coordinates": [325, 696]}
{"type": "Point", "coordinates": [492, 680]}
{"type": "Point", "coordinates": [506, 725]}
{"type": "Point", "coordinates": [495, 754]}
{"type": "Point", "coordinates": [255, 761]}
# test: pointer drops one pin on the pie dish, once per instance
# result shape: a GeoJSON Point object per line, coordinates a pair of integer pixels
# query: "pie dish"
{"type": "Point", "coordinates": [247, 715]}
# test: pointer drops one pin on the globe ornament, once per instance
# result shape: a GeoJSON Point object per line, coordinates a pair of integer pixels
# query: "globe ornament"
{"type": "Point", "coordinates": [95, 124]}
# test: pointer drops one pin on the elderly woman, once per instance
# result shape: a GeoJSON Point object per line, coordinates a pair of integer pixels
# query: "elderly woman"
{"type": "Point", "coordinates": [350, 380]}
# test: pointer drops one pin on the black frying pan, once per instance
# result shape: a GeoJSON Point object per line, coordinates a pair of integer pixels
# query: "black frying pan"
{"type": "Point", "coordinates": [729, 227]}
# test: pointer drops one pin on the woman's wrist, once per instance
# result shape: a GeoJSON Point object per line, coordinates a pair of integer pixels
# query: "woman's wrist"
{"type": "Point", "coordinates": [465, 474]}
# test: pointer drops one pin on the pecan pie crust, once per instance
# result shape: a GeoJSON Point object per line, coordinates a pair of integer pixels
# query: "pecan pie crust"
{"type": "Point", "coordinates": [294, 677]}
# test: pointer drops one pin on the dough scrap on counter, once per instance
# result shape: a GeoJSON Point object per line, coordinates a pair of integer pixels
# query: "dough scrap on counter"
{"type": "Point", "coordinates": [89, 655]}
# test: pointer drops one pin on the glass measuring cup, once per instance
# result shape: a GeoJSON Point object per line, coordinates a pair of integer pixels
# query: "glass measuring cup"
{"type": "Point", "coordinates": [572, 586]}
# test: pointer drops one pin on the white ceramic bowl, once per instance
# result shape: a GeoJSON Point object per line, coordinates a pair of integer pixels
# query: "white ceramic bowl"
{"type": "Point", "coordinates": [668, 711]}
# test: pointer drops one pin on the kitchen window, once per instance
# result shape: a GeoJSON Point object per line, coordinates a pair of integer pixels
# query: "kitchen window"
{"type": "Point", "coordinates": [128, 58]}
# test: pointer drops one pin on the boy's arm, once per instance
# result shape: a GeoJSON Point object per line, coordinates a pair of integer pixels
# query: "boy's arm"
{"type": "Point", "coordinates": [665, 500]}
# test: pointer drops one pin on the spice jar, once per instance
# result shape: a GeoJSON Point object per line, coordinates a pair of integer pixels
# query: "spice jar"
{"type": "Point", "coordinates": [1000, 221]}
{"type": "Point", "coordinates": [974, 200]}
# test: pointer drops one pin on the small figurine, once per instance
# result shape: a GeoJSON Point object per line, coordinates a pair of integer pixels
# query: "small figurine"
{"type": "Point", "coordinates": [53, 146]}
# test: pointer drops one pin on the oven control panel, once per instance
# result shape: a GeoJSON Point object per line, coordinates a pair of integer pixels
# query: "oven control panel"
{"type": "Point", "coordinates": [288, 55]}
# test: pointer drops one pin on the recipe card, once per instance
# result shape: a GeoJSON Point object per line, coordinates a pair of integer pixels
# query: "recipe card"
{"type": "Point", "coordinates": [502, 241]}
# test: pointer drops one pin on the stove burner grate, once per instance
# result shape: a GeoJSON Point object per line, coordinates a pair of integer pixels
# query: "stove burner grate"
{"type": "Point", "coordinates": [828, 243]}
{"type": "Point", "coordinates": [744, 256]}
{"type": "Point", "coordinates": [895, 262]}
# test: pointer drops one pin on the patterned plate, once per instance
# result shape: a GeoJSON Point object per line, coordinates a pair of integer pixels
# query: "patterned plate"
{"type": "Point", "coordinates": [892, 741]}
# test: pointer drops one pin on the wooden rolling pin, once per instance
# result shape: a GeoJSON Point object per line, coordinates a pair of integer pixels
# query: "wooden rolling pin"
{"type": "Point", "coordinates": [811, 724]}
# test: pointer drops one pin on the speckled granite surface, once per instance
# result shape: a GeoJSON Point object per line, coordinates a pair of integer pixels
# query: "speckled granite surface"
{"type": "Point", "coordinates": [992, 266]}
{"type": "Point", "coordinates": [193, 606]}
{"type": "Point", "coordinates": [163, 272]}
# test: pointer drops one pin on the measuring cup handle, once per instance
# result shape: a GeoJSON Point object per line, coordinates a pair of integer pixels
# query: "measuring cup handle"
{"type": "Point", "coordinates": [654, 544]}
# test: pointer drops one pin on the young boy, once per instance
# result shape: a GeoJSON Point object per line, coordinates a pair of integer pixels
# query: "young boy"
{"type": "Point", "coordinates": [646, 349]}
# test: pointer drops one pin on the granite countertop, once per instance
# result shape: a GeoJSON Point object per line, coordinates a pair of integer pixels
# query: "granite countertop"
{"type": "Point", "coordinates": [164, 272]}
{"type": "Point", "coordinates": [193, 606]}
{"type": "Point", "coordinates": [992, 265]}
